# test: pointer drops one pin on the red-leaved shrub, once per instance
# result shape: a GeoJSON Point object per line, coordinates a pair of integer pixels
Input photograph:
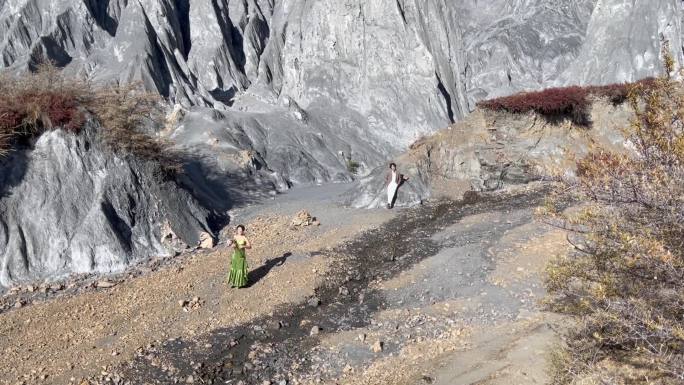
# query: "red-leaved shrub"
{"type": "Point", "coordinates": [33, 103]}
{"type": "Point", "coordinates": [565, 103]}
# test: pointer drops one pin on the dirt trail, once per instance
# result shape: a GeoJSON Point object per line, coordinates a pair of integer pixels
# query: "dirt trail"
{"type": "Point", "coordinates": [444, 293]}
{"type": "Point", "coordinates": [64, 339]}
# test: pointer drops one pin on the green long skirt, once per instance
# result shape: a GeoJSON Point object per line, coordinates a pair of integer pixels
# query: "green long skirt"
{"type": "Point", "coordinates": [238, 269]}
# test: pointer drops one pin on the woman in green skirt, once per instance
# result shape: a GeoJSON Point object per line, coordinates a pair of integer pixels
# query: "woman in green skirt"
{"type": "Point", "coordinates": [238, 267]}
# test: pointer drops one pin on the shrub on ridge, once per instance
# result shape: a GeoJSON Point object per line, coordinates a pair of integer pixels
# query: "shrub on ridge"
{"type": "Point", "coordinates": [572, 102]}
{"type": "Point", "coordinates": [33, 103]}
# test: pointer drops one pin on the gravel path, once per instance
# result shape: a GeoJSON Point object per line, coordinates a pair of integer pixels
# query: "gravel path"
{"type": "Point", "coordinates": [285, 346]}
{"type": "Point", "coordinates": [442, 293]}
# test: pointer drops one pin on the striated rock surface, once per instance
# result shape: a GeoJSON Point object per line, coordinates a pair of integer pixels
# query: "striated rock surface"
{"type": "Point", "coordinates": [272, 93]}
{"type": "Point", "coordinates": [624, 40]}
{"type": "Point", "coordinates": [309, 84]}
{"type": "Point", "coordinates": [70, 206]}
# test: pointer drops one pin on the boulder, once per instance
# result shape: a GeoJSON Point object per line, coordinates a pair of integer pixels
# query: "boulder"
{"type": "Point", "coordinates": [303, 219]}
{"type": "Point", "coordinates": [70, 205]}
{"type": "Point", "coordinates": [206, 241]}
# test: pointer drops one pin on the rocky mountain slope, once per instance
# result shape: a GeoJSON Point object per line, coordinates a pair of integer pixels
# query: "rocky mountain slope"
{"type": "Point", "coordinates": [309, 84]}
{"type": "Point", "coordinates": [69, 206]}
{"type": "Point", "coordinates": [493, 150]}
{"type": "Point", "coordinates": [274, 93]}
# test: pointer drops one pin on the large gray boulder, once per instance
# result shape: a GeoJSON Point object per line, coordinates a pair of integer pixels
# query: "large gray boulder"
{"type": "Point", "coordinates": [69, 205]}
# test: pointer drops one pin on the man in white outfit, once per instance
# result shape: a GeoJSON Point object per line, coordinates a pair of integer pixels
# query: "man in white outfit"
{"type": "Point", "coordinates": [393, 180]}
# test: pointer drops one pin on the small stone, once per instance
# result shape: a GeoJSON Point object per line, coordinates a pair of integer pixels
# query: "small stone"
{"type": "Point", "coordinates": [344, 291]}
{"type": "Point", "coordinates": [303, 218]}
{"type": "Point", "coordinates": [190, 380]}
{"type": "Point", "coordinates": [182, 303]}
{"type": "Point", "coordinates": [348, 369]}
{"type": "Point", "coordinates": [377, 347]}
{"type": "Point", "coordinates": [266, 382]}
{"type": "Point", "coordinates": [314, 302]}
{"type": "Point", "coordinates": [18, 305]}
{"type": "Point", "coordinates": [362, 337]}
{"type": "Point", "coordinates": [105, 284]}
{"type": "Point", "coordinates": [206, 241]}
{"type": "Point", "coordinates": [314, 331]}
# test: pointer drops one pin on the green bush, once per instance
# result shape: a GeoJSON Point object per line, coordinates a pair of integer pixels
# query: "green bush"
{"type": "Point", "coordinates": [353, 166]}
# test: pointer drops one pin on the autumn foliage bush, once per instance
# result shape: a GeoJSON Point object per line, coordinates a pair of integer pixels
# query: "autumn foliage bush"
{"type": "Point", "coordinates": [33, 103]}
{"type": "Point", "coordinates": [572, 102]}
{"type": "Point", "coordinates": [625, 281]}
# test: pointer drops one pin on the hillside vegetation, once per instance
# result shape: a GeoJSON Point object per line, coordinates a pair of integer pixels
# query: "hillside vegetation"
{"type": "Point", "coordinates": [573, 103]}
{"type": "Point", "coordinates": [34, 103]}
{"type": "Point", "coordinates": [624, 282]}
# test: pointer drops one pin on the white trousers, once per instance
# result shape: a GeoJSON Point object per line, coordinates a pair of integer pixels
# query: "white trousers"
{"type": "Point", "coordinates": [391, 191]}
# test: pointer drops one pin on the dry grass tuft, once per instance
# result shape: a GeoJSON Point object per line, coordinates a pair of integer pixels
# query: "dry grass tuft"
{"type": "Point", "coordinates": [625, 281]}
{"type": "Point", "coordinates": [34, 103]}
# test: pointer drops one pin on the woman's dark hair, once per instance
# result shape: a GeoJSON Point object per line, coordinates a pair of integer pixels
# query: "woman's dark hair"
{"type": "Point", "coordinates": [240, 227]}
{"type": "Point", "coordinates": [393, 164]}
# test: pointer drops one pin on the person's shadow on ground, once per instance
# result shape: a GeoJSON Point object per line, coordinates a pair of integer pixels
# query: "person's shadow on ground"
{"type": "Point", "coordinates": [256, 275]}
{"type": "Point", "coordinates": [396, 193]}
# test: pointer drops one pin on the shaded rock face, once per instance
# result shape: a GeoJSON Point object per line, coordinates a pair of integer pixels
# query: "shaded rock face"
{"type": "Point", "coordinates": [70, 206]}
{"type": "Point", "coordinates": [367, 78]}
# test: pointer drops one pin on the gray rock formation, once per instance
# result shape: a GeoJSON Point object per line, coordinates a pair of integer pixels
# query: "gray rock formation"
{"type": "Point", "coordinates": [70, 206]}
{"type": "Point", "coordinates": [630, 34]}
{"type": "Point", "coordinates": [366, 77]}
{"type": "Point", "coordinates": [281, 92]}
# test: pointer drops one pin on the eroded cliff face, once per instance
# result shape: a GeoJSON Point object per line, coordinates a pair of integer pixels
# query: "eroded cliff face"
{"type": "Point", "coordinates": [367, 77]}
{"type": "Point", "coordinates": [271, 93]}
{"type": "Point", "coordinates": [70, 206]}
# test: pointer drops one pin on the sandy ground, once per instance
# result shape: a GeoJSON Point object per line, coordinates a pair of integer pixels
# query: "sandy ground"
{"type": "Point", "coordinates": [63, 340]}
{"type": "Point", "coordinates": [463, 311]}
{"type": "Point", "coordinates": [510, 347]}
